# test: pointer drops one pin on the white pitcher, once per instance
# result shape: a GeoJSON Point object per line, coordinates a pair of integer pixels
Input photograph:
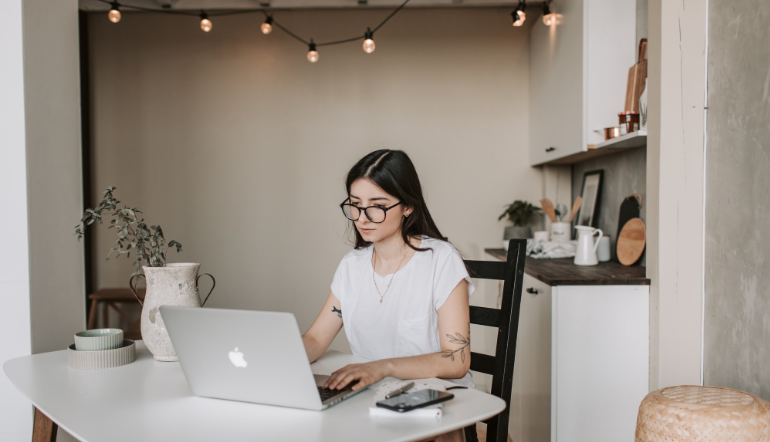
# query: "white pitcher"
{"type": "Point", "coordinates": [586, 249]}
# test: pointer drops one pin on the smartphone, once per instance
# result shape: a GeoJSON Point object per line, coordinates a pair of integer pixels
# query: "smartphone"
{"type": "Point", "coordinates": [418, 399]}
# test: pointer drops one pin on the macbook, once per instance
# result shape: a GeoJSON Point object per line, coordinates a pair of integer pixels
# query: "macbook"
{"type": "Point", "coordinates": [247, 356]}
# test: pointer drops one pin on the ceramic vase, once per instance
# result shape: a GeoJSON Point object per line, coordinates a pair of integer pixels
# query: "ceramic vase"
{"type": "Point", "coordinates": [174, 284]}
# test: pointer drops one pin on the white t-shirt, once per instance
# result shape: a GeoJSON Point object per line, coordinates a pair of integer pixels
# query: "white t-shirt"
{"type": "Point", "coordinates": [406, 322]}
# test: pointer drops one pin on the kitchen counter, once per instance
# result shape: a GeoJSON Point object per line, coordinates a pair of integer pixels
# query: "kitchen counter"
{"type": "Point", "coordinates": [563, 271]}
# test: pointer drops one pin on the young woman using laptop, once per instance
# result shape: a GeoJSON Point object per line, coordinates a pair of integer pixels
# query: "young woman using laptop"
{"type": "Point", "coordinates": [402, 292]}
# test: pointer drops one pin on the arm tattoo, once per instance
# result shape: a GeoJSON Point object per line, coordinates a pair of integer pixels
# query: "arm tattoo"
{"type": "Point", "coordinates": [456, 339]}
{"type": "Point", "coordinates": [337, 311]}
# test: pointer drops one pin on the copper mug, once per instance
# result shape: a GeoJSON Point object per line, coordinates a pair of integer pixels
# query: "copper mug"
{"type": "Point", "coordinates": [611, 132]}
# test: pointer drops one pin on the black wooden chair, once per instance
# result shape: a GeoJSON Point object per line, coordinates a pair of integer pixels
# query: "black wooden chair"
{"type": "Point", "coordinates": [506, 319]}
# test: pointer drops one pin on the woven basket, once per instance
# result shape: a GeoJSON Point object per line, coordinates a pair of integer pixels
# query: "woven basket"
{"type": "Point", "coordinates": [704, 414]}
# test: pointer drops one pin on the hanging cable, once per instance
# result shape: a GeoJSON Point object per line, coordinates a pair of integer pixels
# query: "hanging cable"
{"type": "Point", "coordinates": [268, 25]}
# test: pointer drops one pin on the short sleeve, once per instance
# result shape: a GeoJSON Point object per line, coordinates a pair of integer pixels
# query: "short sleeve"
{"type": "Point", "coordinates": [338, 282]}
{"type": "Point", "coordinates": [450, 270]}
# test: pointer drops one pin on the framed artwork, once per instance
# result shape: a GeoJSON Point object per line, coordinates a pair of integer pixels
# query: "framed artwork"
{"type": "Point", "coordinates": [588, 215]}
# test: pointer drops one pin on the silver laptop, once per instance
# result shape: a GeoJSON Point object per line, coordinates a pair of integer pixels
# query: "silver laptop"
{"type": "Point", "coordinates": [247, 356]}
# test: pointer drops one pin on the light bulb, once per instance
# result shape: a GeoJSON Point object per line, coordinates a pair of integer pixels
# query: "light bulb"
{"type": "Point", "coordinates": [548, 17]}
{"type": "Point", "coordinates": [368, 42]}
{"type": "Point", "coordinates": [519, 20]}
{"type": "Point", "coordinates": [518, 15]}
{"type": "Point", "coordinates": [114, 15]}
{"type": "Point", "coordinates": [312, 54]}
{"type": "Point", "coordinates": [205, 22]}
{"type": "Point", "coordinates": [267, 26]}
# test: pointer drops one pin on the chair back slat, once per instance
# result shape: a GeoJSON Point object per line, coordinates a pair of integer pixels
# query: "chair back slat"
{"type": "Point", "coordinates": [483, 363]}
{"type": "Point", "coordinates": [489, 317]}
{"type": "Point", "coordinates": [486, 269]}
{"type": "Point", "coordinates": [500, 366]}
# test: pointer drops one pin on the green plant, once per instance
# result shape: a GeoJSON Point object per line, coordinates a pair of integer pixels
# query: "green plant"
{"type": "Point", "coordinates": [520, 213]}
{"type": "Point", "coordinates": [148, 244]}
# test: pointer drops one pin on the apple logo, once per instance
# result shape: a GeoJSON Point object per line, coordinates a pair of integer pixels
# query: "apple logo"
{"type": "Point", "coordinates": [236, 357]}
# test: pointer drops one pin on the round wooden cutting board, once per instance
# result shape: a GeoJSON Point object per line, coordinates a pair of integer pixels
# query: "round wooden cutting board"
{"type": "Point", "coordinates": [631, 242]}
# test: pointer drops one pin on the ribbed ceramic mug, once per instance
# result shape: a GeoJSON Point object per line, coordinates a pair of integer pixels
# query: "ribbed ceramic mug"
{"type": "Point", "coordinates": [98, 339]}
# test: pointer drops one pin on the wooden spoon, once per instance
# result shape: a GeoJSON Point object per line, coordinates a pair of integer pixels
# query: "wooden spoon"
{"type": "Point", "coordinates": [547, 206]}
{"type": "Point", "coordinates": [575, 208]}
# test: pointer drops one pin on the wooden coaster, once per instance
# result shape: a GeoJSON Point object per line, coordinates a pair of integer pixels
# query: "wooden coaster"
{"type": "Point", "coordinates": [631, 242]}
{"type": "Point", "coordinates": [92, 360]}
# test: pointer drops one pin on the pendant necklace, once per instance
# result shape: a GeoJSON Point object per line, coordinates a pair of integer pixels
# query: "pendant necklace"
{"type": "Point", "coordinates": [382, 295]}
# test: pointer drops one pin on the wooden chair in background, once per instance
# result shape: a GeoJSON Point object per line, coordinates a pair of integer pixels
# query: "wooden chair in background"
{"type": "Point", "coordinates": [115, 298]}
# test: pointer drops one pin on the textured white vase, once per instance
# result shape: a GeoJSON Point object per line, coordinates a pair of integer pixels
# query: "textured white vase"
{"type": "Point", "coordinates": [174, 284]}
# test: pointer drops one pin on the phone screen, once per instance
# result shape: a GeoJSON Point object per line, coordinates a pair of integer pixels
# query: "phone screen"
{"type": "Point", "coordinates": [418, 399]}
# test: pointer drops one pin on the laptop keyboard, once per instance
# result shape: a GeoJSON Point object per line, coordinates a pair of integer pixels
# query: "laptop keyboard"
{"type": "Point", "coordinates": [326, 393]}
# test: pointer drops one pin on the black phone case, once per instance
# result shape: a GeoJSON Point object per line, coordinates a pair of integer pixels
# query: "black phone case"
{"type": "Point", "coordinates": [397, 403]}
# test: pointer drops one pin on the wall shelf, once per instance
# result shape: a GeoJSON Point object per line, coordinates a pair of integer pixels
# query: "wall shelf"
{"type": "Point", "coordinates": [609, 147]}
{"type": "Point", "coordinates": [634, 139]}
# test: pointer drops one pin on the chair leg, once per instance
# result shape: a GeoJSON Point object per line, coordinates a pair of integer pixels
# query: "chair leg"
{"type": "Point", "coordinates": [106, 314]}
{"type": "Point", "coordinates": [44, 429]}
{"type": "Point", "coordinates": [92, 315]}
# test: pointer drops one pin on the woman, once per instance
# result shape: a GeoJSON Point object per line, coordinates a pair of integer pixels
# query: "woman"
{"type": "Point", "coordinates": [402, 293]}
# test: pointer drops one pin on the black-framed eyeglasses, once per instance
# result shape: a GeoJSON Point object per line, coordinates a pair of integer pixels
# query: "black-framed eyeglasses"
{"type": "Point", "coordinates": [375, 214]}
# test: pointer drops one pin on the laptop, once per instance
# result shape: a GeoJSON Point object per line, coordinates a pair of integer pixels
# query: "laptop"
{"type": "Point", "coordinates": [247, 356]}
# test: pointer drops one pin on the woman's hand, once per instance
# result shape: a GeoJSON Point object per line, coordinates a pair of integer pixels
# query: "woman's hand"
{"type": "Point", "coordinates": [366, 374]}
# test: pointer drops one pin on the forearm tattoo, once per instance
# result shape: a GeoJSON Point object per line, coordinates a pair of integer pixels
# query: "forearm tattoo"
{"type": "Point", "coordinates": [457, 339]}
{"type": "Point", "coordinates": [337, 311]}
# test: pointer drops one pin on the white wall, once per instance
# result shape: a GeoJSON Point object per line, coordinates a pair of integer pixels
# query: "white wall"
{"type": "Point", "coordinates": [238, 146]}
{"type": "Point", "coordinates": [15, 410]}
{"type": "Point", "coordinates": [675, 173]}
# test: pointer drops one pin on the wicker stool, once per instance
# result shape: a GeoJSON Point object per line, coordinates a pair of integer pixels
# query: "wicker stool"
{"type": "Point", "coordinates": [704, 414]}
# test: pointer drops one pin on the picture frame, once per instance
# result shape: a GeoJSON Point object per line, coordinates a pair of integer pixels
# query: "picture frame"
{"type": "Point", "coordinates": [588, 214]}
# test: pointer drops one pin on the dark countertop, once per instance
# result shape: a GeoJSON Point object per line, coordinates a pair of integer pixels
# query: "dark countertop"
{"type": "Point", "coordinates": [564, 272]}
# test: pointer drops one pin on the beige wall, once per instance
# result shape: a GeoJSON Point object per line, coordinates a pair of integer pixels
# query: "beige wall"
{"type": "Point", "coordinates": [675, 171]}
{"type": "Point", "coordinates": [54, 175]}
{"type": "Point", "coordinates": [238, 146]}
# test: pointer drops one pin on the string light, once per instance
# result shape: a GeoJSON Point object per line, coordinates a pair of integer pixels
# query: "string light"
{"type": "Point", "coordinates": [267, 26]}
{"type": "Point", "coordinates": [312, 54]}
{"type": "Point", "coordinates": [549, 18]}
{"type": "Point", "coordinates": [368, 42]}
{"type": "Point", "coordinates": [519, 15]}
{"type": "Point", "coordinates": [114, 14]}
{"type": "Point", "coordinates": [205, 22]}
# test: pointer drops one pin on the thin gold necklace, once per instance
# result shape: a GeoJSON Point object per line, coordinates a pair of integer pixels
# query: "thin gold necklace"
{"type": "Point", "coordinates": [374, 265]}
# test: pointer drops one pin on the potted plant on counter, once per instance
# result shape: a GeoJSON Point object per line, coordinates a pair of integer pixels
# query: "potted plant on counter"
{"type": "Point", "coordinates": [520, 214]}
{"type": "Point", "coordinates": [167, 284]}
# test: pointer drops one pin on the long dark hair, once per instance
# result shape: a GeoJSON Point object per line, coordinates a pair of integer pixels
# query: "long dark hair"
{"type": "Point", "coordinates": [394, 172]}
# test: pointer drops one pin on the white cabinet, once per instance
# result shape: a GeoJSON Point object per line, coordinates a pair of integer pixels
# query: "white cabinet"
{"type": "Point", "coordinates": [582, 362]}
{"type": "Point", "coordinates": [531, 398]}
{"type": "Point", "coordinates": [578, 74]}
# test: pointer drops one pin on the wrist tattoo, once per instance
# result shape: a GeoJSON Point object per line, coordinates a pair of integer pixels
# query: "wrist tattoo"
{"type": "Point", "coordinates": [337, 311]}
{"type": "Point", "coordinates": [457, 339]}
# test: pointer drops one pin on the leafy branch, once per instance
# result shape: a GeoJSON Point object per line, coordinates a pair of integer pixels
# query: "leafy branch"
{"type": "Point", "coordinates": [456, 339]}
{"type": "Point", "coordinates": [147, 243]}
